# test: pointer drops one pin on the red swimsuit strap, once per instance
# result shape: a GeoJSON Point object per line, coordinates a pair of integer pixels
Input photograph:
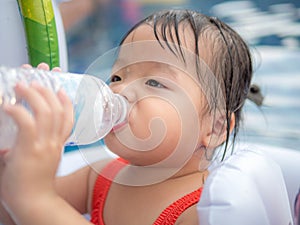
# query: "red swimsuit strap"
{"type": "Point", "coordinates": [102, 186]}
{"type": "Point", "coordinates": [173, 211]}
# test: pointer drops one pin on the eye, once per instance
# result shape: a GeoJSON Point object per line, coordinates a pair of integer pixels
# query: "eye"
{"type": "Point", "coordinates": [154, 83]}
{"type": "Point", "coordinates": [115, 78]}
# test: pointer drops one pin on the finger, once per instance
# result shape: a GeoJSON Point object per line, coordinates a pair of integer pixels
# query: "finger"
{"type": "Point", "coordinates": [43, 66]}
{"type": "Point", "coordinates": [24, 121]}
{"type": "Point", "coordinates": [56, 69]}
{"type": "Point", "coordinates": [26, 66]}
{"type": "Point", "coordinates": [3, 153]}
{"type": "Point", "coordinates": [57, 110]}
{"type": "Point", "coordinates": [68, 113]}
{"type": "Point", "coordinates": [41, 110]}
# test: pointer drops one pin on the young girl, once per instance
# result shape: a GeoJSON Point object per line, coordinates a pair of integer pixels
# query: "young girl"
{"type": "Point", "coordinates": [185, 77]}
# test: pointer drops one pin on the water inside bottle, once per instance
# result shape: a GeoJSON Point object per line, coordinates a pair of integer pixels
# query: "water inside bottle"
{"type": "Point", "coordinates": [88, 114]}
{"type": "Point", "coordinates": [8, 130]}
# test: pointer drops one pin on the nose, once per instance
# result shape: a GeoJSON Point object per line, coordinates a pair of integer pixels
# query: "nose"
{"type": "Point", "coordinates": [128, 90]}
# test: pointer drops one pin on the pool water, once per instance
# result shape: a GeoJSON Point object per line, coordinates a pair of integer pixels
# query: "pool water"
{"type": "Point", "coordinates": [277, 121]}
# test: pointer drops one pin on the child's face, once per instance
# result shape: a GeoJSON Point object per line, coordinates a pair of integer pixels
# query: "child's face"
{"type": "Point", "coordinates": [166, 116]}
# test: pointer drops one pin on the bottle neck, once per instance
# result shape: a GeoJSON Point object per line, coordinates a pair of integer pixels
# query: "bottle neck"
{"type": "Point", "coordinates": [120, 109]}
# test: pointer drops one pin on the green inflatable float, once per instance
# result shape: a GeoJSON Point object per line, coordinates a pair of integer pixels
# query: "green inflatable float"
{"type": "Point", "coordinates": [31, 32]}
{"type": "Point", "coordinates": [41, 34]}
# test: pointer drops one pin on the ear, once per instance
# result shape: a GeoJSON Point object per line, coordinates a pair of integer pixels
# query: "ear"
{"type": "Point", "coordinates": [216, 133]}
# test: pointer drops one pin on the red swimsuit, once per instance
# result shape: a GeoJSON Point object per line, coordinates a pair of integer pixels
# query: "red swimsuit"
{"type": "Point", "coordinates": [167, 217]}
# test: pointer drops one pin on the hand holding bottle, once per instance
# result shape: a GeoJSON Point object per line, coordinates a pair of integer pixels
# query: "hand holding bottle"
{"type": "Point", "coordinates": [30, 166]}
{"type": "Point", "coordinates": [96, 108]}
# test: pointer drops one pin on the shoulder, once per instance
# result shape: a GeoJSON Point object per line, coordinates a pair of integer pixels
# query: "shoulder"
{"type": "Point", "coordinates": [96, 168]}
{"type": "Point", "coordinates": [188, 217]}
{"type": "Point", "coordinates": [94, 171]}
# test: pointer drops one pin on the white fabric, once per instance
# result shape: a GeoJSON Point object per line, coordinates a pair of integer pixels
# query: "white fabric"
{"type": "Point", "coordinates": [247, 188]}
{"type": "Point", "coordinates": [289, 161]}
{"type": "Point", "coordinates": [62, 43]}
{"type": "Point", "coordinates": [12, 37]}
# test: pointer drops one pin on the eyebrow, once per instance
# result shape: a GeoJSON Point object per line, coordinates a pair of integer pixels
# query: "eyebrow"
{"type": "Point", "coordinates": [170, 71]}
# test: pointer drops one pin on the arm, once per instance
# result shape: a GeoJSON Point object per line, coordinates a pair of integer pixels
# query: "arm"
{"type": "Point", "coordinates": [76, 197]}
{"type": "Point", "coordinates": [84, 180]}
{"type": "Point", "coordinates": [4, 216]}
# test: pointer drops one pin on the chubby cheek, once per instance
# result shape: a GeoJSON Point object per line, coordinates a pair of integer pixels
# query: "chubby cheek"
{"type": "Point", "coordinates": [152, 117]}
{"type": "Point", "coordinates": [154, 131]}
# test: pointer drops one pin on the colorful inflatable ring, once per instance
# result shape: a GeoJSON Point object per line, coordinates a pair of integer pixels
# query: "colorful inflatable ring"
{"type": "Point", "coordinates": [41, 34]}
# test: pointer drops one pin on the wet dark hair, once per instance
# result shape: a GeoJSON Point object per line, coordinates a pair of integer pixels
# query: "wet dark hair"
{"type": "Point", "coordinates": [227, 55]}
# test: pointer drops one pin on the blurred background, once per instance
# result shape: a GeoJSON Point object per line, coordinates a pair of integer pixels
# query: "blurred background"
{"type": "Point", "coordinates": [271, 27]}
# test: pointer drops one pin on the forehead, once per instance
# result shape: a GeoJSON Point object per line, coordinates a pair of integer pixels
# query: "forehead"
{"type": "Point", "coordinates": [145, 32]}
{"type": "Point", "coordinates": [141, 46]}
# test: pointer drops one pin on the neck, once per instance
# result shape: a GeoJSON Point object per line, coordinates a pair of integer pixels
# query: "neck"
{"type": "Point", "coordinates": [193, 166]}
{"type": "Point", "coordinates": [147, 175]}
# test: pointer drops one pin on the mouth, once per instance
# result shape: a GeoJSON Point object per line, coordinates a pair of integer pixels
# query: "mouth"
{"type": "Point", "coordinates": [119, 126]}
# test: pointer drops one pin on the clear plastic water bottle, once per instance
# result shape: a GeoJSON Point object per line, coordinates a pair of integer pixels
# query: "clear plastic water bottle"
{"type": "Point", "coordinates": [96, 108]}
